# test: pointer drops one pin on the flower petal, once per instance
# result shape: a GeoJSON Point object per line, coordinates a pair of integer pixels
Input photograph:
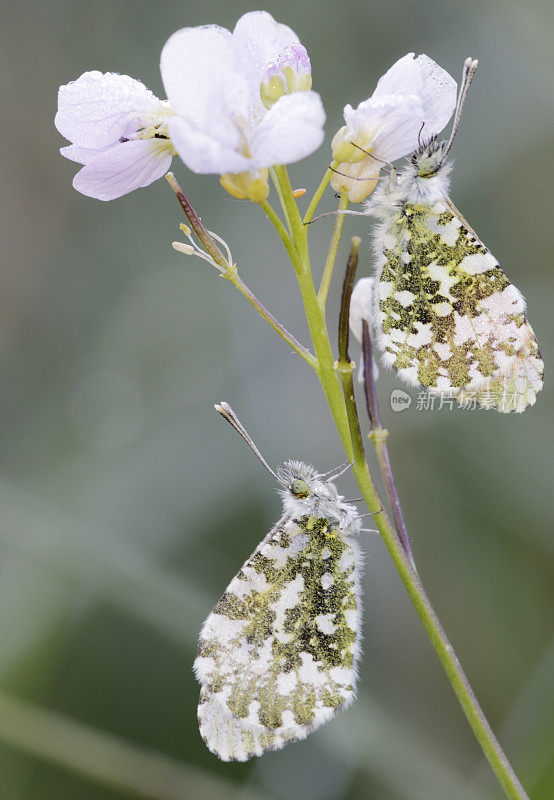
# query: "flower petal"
{"type": "Point", "coordinates": [202, 79]}
{"type": "Point", "coordinates": [290, 130]}
{"type": "Point", "coordinates": [438, 95]}
{"type": "Point", "coordinates": [98, 108]}
{"type": "Point", "coordinates": [203, 153]}
{"type": "Point", "coordinates": [400, 120]}
{"type": "Point", "coordinates": [82, 155]}
{"type": "Point", "coordinates": [404, 77]}
{"type": "Point", "coordinates": [122, 168]}
{"type": "Point", "coordinates": [424, 78]}
{"type": "Point", "coordinates": [391, 123]}
{"type": "Point", "coordinates": [260, 40]}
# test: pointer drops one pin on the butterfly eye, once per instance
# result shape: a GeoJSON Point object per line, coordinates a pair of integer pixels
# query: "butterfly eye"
{"type": "Point", "coordinates": [299, 488]}
{"type": "Point", "coordinates": [427, 167]}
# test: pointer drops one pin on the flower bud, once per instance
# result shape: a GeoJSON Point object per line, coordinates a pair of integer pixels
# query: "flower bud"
{"type": "Point", "coordinates": [343, 149]}
{"type": "Point", "coordinates": [247, 185]}
{"type": "Point", "coordinates": [356, 180]}
{"type": "Point", "coordinates": [272, 86]}
{"type": "Point", "coordinates": [296, 67]}
{"type": "Point", "coordinates": [290, 73]}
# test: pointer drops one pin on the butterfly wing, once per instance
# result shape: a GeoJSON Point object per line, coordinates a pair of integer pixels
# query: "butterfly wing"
{"type": "Point", "coordinates": [449, 318]}
{"type": "Point", "coordinates": [277, 655]}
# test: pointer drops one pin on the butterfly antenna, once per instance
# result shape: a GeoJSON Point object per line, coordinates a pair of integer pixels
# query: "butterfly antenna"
{"type": "Point", "coordinates": [339, 211]}
{"type": "Point", "coordinates": [227, 413]}
{"type": "Point", "coordinates": [470, 65]}
{"type": "Point", "coordinates": [356, 178]}
{"type": "Point", "coordinates": [375, 158]}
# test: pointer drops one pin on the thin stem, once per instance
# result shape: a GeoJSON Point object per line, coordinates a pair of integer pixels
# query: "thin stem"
{"type": "Point", "coordinates": [233, 276]}
{"type": "Point", "coordinates": [280, 228]}
{"type": "Point", "coordinates": [332, 254]}
{"type": "Point", "coordinates": [378, 436]}
{"type": "Point", "coordinates": [344, 315]}
{"type": "Point", "coordinates": [105, 758]}
{"type": "Point", "coordinates": [317, 197]}
{"type": "Point", "coordinates": [279, 195]}
{"type": "Point", "coordinates": [315, 316]}
{"type": "Point", "coordinates": [298, 232]}
{"type": "Point", "coordinates": [345, 366]}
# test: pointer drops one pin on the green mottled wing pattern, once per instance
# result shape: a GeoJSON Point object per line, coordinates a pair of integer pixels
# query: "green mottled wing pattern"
{"type": "Point", "coordinates": [277, 655]}
{"type": "Point", "coordinates": [449, 318]}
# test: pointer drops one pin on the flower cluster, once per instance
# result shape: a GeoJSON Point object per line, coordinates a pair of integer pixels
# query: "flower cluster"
{"type": "Point", "coordinates": [239, 103]}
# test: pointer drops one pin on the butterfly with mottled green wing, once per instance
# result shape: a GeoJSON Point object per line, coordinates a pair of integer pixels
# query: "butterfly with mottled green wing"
{"type": "Point", "coordinates": [445, 315]}
{"type": "Point", "coordinates": [277, 655]}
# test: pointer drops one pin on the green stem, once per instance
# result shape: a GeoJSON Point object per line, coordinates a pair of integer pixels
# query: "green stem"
{"type": "Point", "coordinates": [315, 316]}
{"type": "Point", "coordinates": [317, 197]}
{"type": "Point", "coordinates": [233, 276]}
{"type": "Point", "coordinates": [343, 408]}
{"type": "Point", "coordinates": [279, 194]}
{"type": "Point", "coordinates": [332, 254]}
{"type": "Point", "coordinates": [281, 230]}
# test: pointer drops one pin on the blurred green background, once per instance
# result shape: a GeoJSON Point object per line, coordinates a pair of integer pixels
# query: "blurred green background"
{"type": "Point", "coordinates": [126, 504]}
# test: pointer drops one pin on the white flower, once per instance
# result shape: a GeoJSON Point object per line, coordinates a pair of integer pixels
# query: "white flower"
{"type": "Point", "coordinates": [413, 101]}
{"type": "Point", "coordinates": [241, 101]}
{"type": "Point", "coordinates": [118, 132]}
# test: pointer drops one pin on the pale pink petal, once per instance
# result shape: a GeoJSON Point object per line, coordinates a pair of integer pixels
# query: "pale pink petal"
{"type": "Point", "coordinates": [81, 155]}
{"type": "Point", "coordinates": [203, 153]}
{"type": "Point", "coordinates": [122, 168]}
{"type": "Point", "coordinates": [290, 130]}
{"type": "Point", "coordinates": [98, 108]}
{"type": "Point", "coordinates": [398, 121]}
{"type": "Point", "coordinates": [201, 76]}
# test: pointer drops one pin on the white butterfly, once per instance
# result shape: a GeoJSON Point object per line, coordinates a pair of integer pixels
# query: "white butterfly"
{"type": "Point", "coordinates": [277, 655]}
{"type": "Point", "coordinates": [445, 315]}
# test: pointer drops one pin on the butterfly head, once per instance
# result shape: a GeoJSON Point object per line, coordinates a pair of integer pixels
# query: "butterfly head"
{"type": "Point", "coordinates": [429, 158]}
{"type": "Point", "coordinates": [300, 481]}
{"type": "Point", "coordinates": [299, 488]}
{"type": "Point", "coordinates": [305, 491]}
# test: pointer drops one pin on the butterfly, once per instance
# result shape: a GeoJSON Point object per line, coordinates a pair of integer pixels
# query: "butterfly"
{"type": "Point", "coordinates": [277, 655]}
{"type": "Point", "coordinates": [445, 315]}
